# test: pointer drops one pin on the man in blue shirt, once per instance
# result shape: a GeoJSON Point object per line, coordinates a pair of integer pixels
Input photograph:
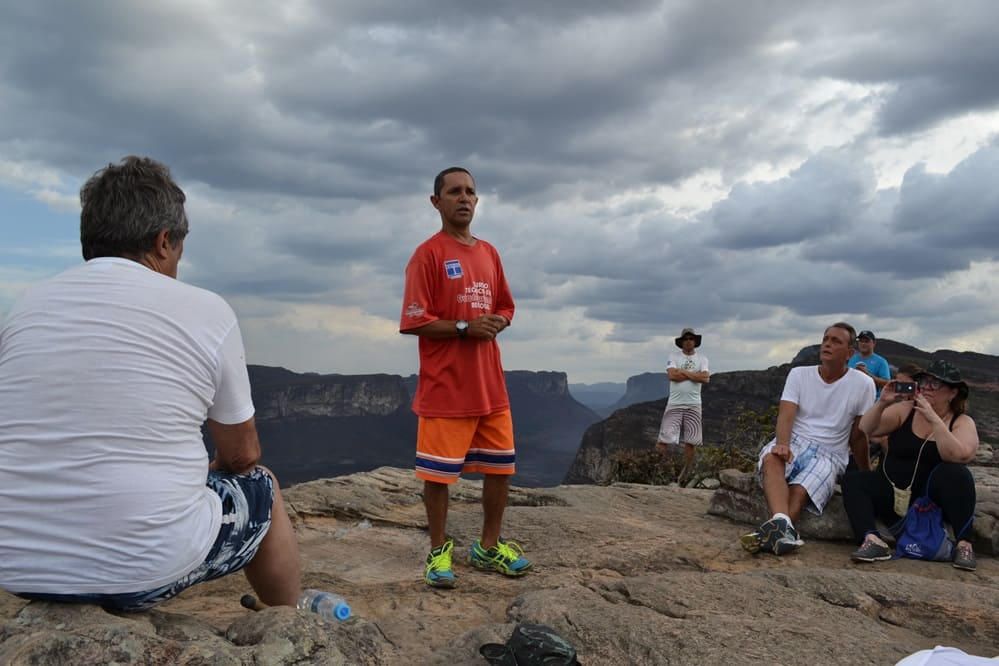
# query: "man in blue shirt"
{"type": "Point", "coordinates": [873, 365]}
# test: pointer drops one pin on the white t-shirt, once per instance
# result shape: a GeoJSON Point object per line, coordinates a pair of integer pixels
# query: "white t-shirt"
{"type": "Point", "coordinates": [826, 411]}
{"type": "Point", "coordinates": [686, 392]}
{"type": "Point", "coordinates": [107, 372]}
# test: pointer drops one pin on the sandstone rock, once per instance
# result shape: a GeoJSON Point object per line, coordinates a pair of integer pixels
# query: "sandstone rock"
{"type": "Point", "coordinates": [629, 574]}
{"type": "Point", "coordinates": [740, 498]}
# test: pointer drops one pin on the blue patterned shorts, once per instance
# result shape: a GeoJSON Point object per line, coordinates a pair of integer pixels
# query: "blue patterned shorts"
{"type": "Point", "coordinates": [246, 517]}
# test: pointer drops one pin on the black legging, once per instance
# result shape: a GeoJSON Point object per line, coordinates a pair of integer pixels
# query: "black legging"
{"type": "Point", "coordinates": [867, 495]}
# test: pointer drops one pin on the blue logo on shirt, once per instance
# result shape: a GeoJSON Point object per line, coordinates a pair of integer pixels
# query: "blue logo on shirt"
{"type": "Point", "coordinates": [453, 269]}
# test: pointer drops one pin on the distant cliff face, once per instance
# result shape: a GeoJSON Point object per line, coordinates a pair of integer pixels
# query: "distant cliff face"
{"type": "Point", "coordinates": [313, 426]}
{"type": "Point", "coordinates": [306, 396]}
{"type": "Point", "coordinates": [644, 387]}
{"type": "Point", "coordinates": [542, 383]}
{"type": "Point", "coordinates": [546, 383]}
{"type": "Point", "coordinates": [548, 424]}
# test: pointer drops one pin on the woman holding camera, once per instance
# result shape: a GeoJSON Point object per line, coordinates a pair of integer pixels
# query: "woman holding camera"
{"type": "Point", "coordinates": [928, 432]}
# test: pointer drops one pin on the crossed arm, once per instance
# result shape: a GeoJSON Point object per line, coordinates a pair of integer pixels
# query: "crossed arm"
{"type": "Point", "coordinates": [677, 375]}
{"type": "Point", "coordinates": [484, 327]}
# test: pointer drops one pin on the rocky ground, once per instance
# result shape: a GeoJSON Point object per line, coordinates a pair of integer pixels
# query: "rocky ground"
{"type": "Point", "coordinates": [629, 574]}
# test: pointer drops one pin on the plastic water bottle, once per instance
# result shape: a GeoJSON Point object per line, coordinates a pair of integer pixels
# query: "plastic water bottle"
{"type": "Point", "coordinates": [324, 604]}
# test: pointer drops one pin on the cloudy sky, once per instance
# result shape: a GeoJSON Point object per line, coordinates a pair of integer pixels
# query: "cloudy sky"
{"type": "Point", "coordinates": [754, 169]}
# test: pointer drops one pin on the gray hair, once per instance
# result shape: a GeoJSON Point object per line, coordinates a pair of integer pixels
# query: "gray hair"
{"type": "Point", "coordinates": [126, 205]}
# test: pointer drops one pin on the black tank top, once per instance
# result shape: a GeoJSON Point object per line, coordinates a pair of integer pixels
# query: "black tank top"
{"type": "Point", "coordinates": [903, 450]}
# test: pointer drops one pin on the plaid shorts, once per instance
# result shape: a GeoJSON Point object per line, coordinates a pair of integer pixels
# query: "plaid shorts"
{"type": "Point", "coordinates": [812, 469]}
{"type": "Point", "coordinates": [246, 517]}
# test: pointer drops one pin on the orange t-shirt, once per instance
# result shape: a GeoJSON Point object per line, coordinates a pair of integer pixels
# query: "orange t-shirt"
{"type": "Point", "coordinates": [446, 279]}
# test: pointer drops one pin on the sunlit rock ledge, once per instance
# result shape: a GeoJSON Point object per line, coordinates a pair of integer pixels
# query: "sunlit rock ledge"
{"type": "Point", "coordinates": [629, 574]}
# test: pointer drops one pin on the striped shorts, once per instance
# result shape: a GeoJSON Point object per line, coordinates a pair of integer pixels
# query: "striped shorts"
{"type": "Point", "coordinates": [681, 424]}
{"type": "Point", "coordinates": [447, 447]}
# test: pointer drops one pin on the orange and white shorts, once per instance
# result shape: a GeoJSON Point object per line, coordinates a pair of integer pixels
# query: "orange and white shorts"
{"type": "Point", "coordinates": [448, 446]}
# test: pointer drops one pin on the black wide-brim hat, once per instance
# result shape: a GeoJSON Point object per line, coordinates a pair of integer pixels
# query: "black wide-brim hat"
{"type": "Point", "coordinates": [687, 331]}
{"type": "Point", "coordinates": [948, 373]}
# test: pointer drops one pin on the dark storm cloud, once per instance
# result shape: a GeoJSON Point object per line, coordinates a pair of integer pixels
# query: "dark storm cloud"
{"type": "Point", "coordinates": [349, 99]}
{"type": "Point", "coordinates": [307, 136]}
{"type": "Point", "coordinates": [939, 59]}
{"type": "Point", "coordinates": [346, 97]}
{"type": "Point", "coordinates": [814, 201]}
{"type": "Point", "coordinates": [817, 242]}
{"type": "Point", "coordinates": [958, 210]}
{"type": "Point", "coordinates": [932, 225]}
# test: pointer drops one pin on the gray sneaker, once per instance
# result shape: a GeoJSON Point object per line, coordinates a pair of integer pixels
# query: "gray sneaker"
{"type": "Point", "coordinates": [871, 551]}
{"type": "Point", "coordinates": [964, 557]}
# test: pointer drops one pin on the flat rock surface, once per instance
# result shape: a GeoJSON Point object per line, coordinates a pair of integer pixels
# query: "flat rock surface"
{"type": "Point", "coordinates": [629, 574]}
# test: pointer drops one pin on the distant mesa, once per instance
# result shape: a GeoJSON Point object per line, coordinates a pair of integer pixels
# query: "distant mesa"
{"type": "Point", "coordinates": [323, 425]}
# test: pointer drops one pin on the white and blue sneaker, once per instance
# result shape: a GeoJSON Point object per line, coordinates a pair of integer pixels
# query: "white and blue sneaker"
{"type": "Point", "coordinates": [776, 536]}
{"type": "Point", "coordinates": [766, 536]}
{"type": "Point", "coordinates": [789, 542]}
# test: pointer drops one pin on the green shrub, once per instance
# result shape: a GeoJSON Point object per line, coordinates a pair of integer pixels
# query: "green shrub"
{"type": "Point", "coordinates": [649, 466]}
{"type": "Point", "coordinates": [739, 450]}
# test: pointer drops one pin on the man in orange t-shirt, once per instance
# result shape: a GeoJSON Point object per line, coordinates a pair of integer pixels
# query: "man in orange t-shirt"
{"type": "Point", "coordinates": [457, 301]}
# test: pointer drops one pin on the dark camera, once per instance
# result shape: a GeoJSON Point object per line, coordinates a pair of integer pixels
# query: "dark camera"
{"type": "Point", "coordinates": [905, 388]}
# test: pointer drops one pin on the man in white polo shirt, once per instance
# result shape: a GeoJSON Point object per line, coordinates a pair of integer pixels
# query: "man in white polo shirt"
{"type": "Point", "coordinates": [107, 373]}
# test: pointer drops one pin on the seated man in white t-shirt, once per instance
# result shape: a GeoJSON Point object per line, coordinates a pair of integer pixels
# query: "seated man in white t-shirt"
{"type": "Point", "coordinates": [107, 373]}
{"type": "Point", "coordinates": [817, 428]}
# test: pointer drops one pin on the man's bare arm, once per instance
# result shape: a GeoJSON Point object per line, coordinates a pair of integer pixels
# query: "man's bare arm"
{"type": "Point", "coordinates": [786, 414]}
{"type": "Point", "coordinates": [699, 377]}
{"type": "Point", "coordinates": [237, 447]}
{"type": "Point", "coordinates": [878, 381]}
{"type": "Point", "coordinates": [484, 327]}
{"type": "Point", "coordinates": [859, 446]}
{"type": "Point", "coordinates": [677, 375]}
